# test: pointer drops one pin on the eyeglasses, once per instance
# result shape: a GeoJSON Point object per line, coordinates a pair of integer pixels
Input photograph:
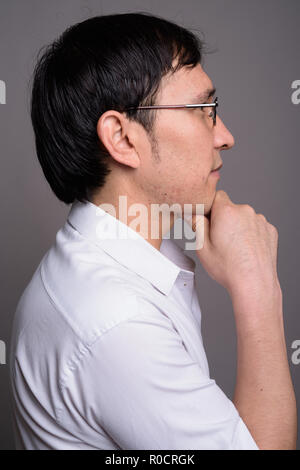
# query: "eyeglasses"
{"type": "Point", "coordinates": [213, 105]}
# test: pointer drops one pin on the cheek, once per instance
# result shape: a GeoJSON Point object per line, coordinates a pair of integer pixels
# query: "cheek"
{"type": "Point", "coordinates": [190, 155]}
{"type": "Point", "coordinates": [188, 142]}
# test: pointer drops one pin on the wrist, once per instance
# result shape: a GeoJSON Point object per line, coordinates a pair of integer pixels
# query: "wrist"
{"type": "Point", "coordinates": [256, 290]}
{"type": "Point", "coordinates": [257, 305]}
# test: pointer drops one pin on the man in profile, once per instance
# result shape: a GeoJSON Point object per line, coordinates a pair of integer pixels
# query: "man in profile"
{"type": "Point", "coordinates": [107, 350]}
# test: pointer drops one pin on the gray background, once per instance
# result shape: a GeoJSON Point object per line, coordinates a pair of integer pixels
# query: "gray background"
{"type": "Point", "coordinates": [256, 60]}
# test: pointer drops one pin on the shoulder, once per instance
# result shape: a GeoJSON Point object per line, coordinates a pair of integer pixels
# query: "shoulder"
{"type": "Point", "coordinates": [88, 288]}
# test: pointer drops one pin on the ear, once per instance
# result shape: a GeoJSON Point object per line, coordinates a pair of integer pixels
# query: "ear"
{"type": "Point", "coordinates": [118, 136]}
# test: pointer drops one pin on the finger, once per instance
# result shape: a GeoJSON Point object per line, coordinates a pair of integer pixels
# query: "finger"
{"type": "Point", "coordinates": [222, 197]}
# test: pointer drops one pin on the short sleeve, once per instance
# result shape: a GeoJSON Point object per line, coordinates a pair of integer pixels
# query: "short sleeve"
{"type": "Point", "coordinates": [141, 386]}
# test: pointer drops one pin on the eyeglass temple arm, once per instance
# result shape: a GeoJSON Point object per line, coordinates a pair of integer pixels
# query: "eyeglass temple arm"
{"type": "Point", "coordinates": [162, 106]}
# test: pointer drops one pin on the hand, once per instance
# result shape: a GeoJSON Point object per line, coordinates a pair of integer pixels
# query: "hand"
{"type": "Point", "coordinates": [240, 246]}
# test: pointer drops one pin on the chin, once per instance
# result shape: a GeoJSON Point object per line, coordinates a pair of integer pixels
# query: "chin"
{"type": "Point", "coordinates": [207, 208]}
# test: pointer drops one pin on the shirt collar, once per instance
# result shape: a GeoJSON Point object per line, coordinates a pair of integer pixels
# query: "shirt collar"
{"type": "Point", "coordinates": [125, 245]}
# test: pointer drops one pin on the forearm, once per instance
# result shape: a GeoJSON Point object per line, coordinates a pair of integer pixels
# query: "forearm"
{"type": "Point", "coordinates": [264, 394]}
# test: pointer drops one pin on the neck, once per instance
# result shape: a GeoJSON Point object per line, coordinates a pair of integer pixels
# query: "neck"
{"type": "Point", "coordinates": [138, 212]}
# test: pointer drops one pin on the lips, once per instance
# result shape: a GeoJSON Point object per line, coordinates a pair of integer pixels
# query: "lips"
{"type": "Point", "coordinates": [218, 168]}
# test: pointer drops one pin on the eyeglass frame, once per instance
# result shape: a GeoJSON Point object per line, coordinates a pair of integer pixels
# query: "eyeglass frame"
{"type": "Point", "coordinates": [214, 105]}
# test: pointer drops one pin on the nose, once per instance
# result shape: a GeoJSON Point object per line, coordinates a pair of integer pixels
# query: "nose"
{"type": "Point", "coordinates": [224, 140]}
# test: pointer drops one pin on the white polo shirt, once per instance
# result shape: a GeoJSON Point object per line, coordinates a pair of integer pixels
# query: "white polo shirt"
{"type": "Point", "coordinates": [106, 351]}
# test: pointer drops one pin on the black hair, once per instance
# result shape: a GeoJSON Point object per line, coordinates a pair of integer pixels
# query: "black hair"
{"type": "Point", "coordinates": [105, 62]}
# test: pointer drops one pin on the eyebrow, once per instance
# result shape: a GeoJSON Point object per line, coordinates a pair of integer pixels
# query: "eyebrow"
{"type": "Point", "coordinates": [204, 96]}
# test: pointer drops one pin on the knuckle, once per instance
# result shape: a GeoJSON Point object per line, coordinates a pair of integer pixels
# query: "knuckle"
{"type": "Point", "coordinates": [221, 194]}
{"type": "Point", "coordinates": [248, 208]}
{"type": "Point", "coordinates": [273, 230]}
{"type": "Point", "coordinates": [262, 217]}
